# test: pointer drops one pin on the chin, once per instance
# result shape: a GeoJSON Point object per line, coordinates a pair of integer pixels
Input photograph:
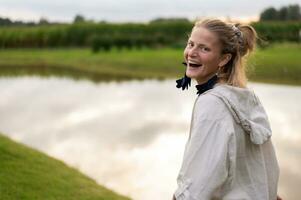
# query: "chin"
{"type": "Point", "coordinates": [191, 75]}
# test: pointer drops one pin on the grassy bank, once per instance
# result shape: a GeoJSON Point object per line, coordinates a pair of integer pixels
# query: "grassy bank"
{"type": "Point", "coordinates": [28, 174]}
{"type": "Point", "coordinates": [279, 63]}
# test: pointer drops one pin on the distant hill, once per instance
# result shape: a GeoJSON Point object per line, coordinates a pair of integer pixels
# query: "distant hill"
{"type": "Point", "coordinates": [26, 174]}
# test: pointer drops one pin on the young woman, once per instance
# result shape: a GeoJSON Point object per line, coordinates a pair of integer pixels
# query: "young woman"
{"type": "Point", "coordinates": [229, 153]}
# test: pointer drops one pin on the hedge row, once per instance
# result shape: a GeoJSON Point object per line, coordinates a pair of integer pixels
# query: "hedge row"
{"type": "Point", "coordinates": [83, 35]}
{"type": "Point", "coordinates": [279, 31]}
{"type": "Point", "coordinates": [105, 36]}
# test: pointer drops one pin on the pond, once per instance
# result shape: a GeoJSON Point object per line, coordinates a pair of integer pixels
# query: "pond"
{"type": "Point", "coordinates": [129, 136]}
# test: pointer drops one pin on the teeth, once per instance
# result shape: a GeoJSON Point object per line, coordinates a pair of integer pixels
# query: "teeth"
{"type": "Point", "coordinates": [192, 64]}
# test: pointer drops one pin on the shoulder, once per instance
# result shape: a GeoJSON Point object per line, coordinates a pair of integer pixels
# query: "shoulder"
{"type": "Point", "coordinates": [212, 116]}
{"type": "Point", "coordinates": [211, 107]}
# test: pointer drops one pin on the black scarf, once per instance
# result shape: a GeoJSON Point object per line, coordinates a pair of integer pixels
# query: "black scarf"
{"type": "Point", "coordinates": [184, 83]}
{"type": "Point", "coordinates": [206, 86]}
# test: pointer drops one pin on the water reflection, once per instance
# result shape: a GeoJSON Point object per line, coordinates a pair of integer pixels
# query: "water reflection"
{"type": "Point", "coordinates": [47, 71]}
{"type": "Point", "coordinates": [130, 136]}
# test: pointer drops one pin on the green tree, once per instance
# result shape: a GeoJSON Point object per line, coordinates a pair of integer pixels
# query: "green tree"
{"type": "Point", "coordinates": [290, 12]}
{"type": "Point", "coordinates": [79, 19]}
{"type": "Point", "coordinates": [43, 21]}
{"type": "Point", "coordinates": [269, 14]}
{"type": "Point", "coordinates": [5, 21]}
{"type": "Point", "coordinates": [283, 13]}
{"type": "Point", "coordinates": [293, 12]}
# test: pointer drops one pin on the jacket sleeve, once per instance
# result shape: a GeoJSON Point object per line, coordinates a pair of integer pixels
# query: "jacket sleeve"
{"type": "Point", "coordinates": [205, 163]}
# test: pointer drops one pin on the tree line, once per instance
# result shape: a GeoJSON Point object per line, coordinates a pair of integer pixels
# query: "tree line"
{"type": "Point", "coordinates": [160, 32]}
{"type": "Point", "coordinates": [285, 13]}
{"type": "Point", "coordinates": [104, 36]}
{"type": "Point", "coordinates": [99, 36]}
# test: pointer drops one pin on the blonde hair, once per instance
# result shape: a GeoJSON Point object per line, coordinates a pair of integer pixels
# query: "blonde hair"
{"type": "Point", "coordinates": [236, 39]}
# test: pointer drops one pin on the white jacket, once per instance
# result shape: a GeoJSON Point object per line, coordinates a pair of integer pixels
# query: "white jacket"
{"type": "Point", "coordinates": [229, 153]}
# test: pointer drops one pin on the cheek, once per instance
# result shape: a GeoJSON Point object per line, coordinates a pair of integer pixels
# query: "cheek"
{"type": "Point", "coordinates": [209, 58]}
{"type": "Point", "coordinates": [185, 53]}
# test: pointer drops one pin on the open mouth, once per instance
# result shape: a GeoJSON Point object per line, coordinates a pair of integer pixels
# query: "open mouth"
{"type": "Point", "coordinates": [191, 64]}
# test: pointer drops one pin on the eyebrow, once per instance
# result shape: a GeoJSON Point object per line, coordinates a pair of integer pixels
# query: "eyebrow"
{"type": "Point", "coordinates": [198, 44]}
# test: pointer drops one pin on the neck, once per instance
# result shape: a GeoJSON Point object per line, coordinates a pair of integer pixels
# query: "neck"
{"type": "Point", "coordinates": [203, 87]}
{"type": "Point", "coordinates": [200, 82]}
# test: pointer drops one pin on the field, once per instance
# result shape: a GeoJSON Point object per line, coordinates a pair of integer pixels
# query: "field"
{"type": "Point", "coordinates": [278, 63]}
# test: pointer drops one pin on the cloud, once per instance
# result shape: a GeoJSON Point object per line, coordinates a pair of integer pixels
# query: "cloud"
{"type": "Point", "coordinates": [133, 10]}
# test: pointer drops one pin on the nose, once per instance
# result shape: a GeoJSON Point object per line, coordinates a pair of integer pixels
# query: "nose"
{"type": "Point", "coordinates": [192, 52]}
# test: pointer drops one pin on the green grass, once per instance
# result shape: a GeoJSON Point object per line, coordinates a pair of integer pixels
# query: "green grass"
{"type": "Point", "coordinates": [26, 174]}
{"type": "Point", "coordinates": [279, 63]}
{"type": "Point", "coordinates": [144, 63]}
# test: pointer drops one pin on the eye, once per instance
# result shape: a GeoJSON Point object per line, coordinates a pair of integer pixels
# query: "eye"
{"type": "Point", "coordinates": [189, 44]}
{"type": "Point", "coordinates": [206, 49]}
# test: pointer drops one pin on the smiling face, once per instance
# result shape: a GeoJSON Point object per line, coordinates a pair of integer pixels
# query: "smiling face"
{"type": "Point", "coordinates": [203, 55]}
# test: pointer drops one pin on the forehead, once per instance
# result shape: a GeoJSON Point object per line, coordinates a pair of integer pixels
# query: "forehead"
{"type": "Point", "coordinates": [201, 35]}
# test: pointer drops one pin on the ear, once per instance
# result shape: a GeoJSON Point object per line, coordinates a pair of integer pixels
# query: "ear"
{"type": "Point", "coordinates": [225, 58]}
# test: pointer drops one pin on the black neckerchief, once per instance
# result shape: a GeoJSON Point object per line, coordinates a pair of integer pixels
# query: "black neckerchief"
{"type": "Point", "coordinates": [206, 86]}
{"type": "Point", "coordinates": [184, 82]}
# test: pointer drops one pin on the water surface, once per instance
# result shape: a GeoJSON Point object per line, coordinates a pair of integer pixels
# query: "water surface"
{"type": "Point", "coordinates": [130, 136]}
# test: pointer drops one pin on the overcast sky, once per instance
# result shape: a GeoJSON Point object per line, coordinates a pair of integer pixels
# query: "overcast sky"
{"type": "Point", "coordinates": [134, 10]}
